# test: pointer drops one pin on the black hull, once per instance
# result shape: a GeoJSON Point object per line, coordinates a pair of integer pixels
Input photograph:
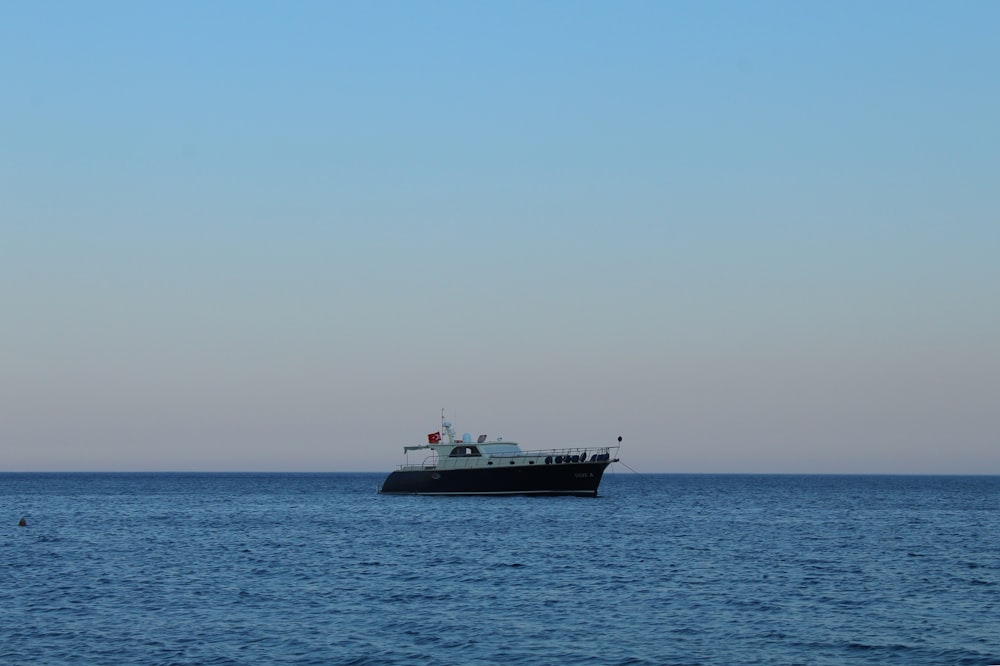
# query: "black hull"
{"type": "Point", "coordinates": [580, 479]}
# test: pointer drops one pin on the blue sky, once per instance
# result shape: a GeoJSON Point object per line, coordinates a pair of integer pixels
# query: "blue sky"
{"type": "Point", "coordinates": [748, 237]}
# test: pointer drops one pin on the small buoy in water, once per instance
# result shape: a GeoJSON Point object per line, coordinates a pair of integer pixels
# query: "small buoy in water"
{"type": "Point", "coordinates": [22, 522]}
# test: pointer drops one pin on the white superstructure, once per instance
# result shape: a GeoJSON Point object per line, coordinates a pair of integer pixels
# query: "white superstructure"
{"type": "Point", "coordinates": [449, 452]}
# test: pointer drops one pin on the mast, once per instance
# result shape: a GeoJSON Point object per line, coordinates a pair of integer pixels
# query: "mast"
{"type": "Point", "coordinates": [446, 427]}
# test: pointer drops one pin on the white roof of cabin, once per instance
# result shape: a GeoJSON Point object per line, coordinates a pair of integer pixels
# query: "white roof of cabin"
{"type": "Point", "coordinates": [499, 447]}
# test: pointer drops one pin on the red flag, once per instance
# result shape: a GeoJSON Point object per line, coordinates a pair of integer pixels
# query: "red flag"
{"type": "Point", "coordinates": [434, 438]}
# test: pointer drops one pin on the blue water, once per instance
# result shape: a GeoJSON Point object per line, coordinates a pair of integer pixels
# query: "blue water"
{"type": "Point", "coordinates": [664, 569]}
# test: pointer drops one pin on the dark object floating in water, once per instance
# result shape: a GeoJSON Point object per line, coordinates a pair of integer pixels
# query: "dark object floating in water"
{"type": "Point", "coordinates": [22, 522]}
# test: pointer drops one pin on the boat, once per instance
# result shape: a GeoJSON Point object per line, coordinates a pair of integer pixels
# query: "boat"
{"type": "Point", "coordinates": [460, 466]}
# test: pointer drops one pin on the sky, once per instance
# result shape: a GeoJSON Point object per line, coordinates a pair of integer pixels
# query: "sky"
{"type": "Point", "coordinates": [747, 237]}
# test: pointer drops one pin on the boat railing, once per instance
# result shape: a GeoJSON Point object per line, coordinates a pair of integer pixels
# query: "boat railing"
{"type": "Point", "coordinates": [430, 462]}
{"type": "Point", "coordinates": [582, 453]}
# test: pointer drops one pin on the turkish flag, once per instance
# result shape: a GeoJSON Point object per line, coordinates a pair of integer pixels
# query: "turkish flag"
{"type": "Point", "coordinates": [434, 438]}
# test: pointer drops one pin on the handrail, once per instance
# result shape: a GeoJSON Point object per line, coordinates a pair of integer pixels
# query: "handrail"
{"type": "Point", "coordinates": [541, 453]}
{"type": "Point", "coordinates": [462, 462]}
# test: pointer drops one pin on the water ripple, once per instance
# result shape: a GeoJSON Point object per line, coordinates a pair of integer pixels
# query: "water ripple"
{"type": "Point", "coordinates": [317, 569]}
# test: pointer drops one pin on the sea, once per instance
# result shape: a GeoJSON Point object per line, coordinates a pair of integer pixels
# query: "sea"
{"type": "Point", "coordinates": [659, 569]}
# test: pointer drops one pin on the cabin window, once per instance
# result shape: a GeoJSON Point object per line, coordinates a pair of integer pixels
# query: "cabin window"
{"type": "Point", "coordinates": [463, 451]}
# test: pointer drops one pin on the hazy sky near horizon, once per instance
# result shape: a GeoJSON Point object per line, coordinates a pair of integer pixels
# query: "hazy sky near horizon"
{"type": "Point", "coordinates": [746, 236]}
